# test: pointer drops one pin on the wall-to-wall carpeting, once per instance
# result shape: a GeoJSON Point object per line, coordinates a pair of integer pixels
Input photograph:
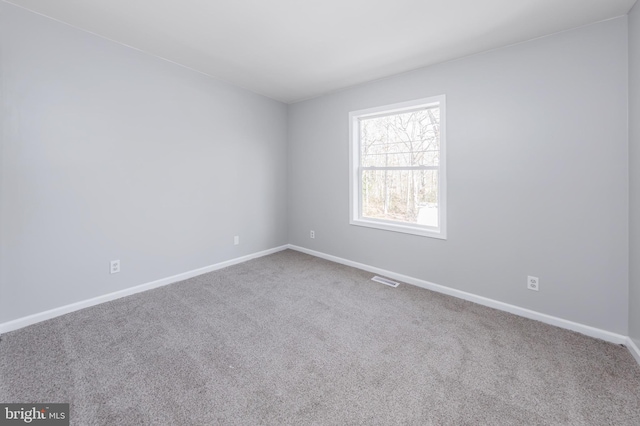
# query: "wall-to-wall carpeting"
{"type": "Point", "coordinates": [293, 339]}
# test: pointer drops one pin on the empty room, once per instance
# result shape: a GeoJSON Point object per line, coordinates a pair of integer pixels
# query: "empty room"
{"type": "Point", "coordinates": [339, 212]}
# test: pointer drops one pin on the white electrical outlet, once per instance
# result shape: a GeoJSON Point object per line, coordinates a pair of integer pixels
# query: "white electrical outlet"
{"type": "Point", "coordinates": [533, 283]}
{"type": "Point", "coordinates": [115, 266]}
{"type": "Point", "coordinates": [236, 240]}
{"type": "Point", "coordinates": [312, 234]}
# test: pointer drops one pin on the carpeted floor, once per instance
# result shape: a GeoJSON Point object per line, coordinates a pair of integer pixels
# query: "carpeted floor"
{"type": "Point", "coordinates": [293, 339]}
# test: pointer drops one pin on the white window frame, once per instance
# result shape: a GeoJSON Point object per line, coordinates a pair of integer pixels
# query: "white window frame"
{"type": "Point", "coordinates": [355, 175]}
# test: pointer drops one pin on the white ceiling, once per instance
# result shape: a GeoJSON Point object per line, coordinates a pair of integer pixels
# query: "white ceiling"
{"type": "Point", "coordinates": [291, 50]}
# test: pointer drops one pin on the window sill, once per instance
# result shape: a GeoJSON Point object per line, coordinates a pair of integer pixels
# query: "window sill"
{"type": "Point", "coordinates": [399, 227]}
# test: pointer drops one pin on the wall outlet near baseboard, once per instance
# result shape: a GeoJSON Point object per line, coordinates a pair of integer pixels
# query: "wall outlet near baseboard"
{"type": "Point", "coordinates": [312, 234]}
{"type": "Point", "coordinates": [115, 266]}
{"type": "Point", "coordinates": [533, 283]}
{"type": "Point", "coordinates": [236, 240]}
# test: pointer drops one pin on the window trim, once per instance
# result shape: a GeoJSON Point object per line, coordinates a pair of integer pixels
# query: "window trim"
{"type": "Point", "coordinates": [355, 170]}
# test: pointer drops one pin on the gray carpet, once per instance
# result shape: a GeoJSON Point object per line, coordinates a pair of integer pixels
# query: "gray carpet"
{"type": "Point", "coordinates": [293, 339]}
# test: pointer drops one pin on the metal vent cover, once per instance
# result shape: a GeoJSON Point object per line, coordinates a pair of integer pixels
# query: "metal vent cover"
{"type": "Point", "coordinates": [385, 281]}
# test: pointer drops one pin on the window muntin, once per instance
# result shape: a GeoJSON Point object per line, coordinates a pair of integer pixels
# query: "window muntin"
{"type": "Point", "coordinates": [397, 167]}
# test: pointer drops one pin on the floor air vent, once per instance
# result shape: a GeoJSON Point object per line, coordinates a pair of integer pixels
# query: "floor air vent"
{"type": "Point", "coordinates": [385, 281]}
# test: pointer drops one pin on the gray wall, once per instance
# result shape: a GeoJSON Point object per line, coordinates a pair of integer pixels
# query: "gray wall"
{"type": "Point", "coordinates": [537, 176]}
{"type": "Point", "coordinates": [634, 172]}
{"type": "Point", "coordinates": [108, 153]}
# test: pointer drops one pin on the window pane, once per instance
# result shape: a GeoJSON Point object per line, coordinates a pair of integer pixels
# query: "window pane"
{"type": "Point", "coordinates": [400, 140]}
{"type": "Point", "coordinates": [409, 196]}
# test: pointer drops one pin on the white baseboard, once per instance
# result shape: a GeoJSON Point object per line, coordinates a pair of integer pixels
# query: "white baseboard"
{"type": "Point", "coordinates": [56, 312]}
{"type": "Point", "coordinates": [631, 345]}
{"type": "Point", "coordinates": [523, 312]}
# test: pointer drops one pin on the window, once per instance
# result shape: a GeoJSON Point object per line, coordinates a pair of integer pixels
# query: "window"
{"type": "Point", "coordinates": [398, 179]}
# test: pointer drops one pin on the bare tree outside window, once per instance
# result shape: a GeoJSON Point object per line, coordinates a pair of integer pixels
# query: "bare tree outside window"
{"type": "Point", "coordinates": [399, 159]}
{"type": "Point", "coordinates": [398, 167]}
